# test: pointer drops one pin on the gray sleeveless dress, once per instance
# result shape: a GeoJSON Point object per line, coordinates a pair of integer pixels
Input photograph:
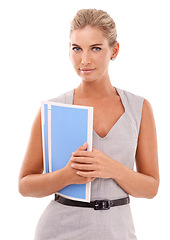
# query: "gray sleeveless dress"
{"type": "Point", "coordinates": [63, 222]}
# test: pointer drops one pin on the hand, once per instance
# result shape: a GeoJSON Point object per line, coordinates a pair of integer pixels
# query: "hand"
{"type": "Point", "coordinates": [93, 164]}
{"type": "Point", "coordinates": [73, 177]}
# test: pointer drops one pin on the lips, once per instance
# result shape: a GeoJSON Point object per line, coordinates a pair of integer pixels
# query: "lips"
{"type": "Point", "coordinates": [87, 70]}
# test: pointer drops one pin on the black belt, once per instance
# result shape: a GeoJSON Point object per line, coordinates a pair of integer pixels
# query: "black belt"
{"type": "Point", "coordinates": [97, 204]}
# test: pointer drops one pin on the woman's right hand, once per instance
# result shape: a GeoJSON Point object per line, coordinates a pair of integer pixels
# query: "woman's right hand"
{"type": "Point", "coordinates": [31, 181]}
{"type": "Point", "coordinates": [73, 177]}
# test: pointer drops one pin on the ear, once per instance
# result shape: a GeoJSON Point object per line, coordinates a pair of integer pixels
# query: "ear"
{"type": "Point", "coordinates": [114, 50]}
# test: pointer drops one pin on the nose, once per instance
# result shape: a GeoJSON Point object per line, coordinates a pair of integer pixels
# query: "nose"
{"type": "Point", "coordinates": [85, 59]}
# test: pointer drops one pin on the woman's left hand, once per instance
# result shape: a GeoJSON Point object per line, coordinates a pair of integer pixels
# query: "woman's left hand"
{"type": "Point", "coordinates": [93, 164]}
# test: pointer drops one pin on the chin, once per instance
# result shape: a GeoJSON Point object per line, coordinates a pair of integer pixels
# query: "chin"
{"type": "Point", "coordinates": [88, 78]}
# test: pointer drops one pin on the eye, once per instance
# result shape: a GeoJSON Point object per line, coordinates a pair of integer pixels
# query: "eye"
{"type": "Point", "coordinates": [96, 49]}
{"type": "Point", "coordinates": [75, 49]}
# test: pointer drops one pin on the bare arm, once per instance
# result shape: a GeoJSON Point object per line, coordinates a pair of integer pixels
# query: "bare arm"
{"type": "Point", "coordinates": [32, 182]}
{"type": "Point", "coordinates": [143, 183]}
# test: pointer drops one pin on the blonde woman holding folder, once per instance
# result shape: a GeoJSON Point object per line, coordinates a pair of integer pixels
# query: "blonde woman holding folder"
{"type": "Point", "coordinates": [124, 132]}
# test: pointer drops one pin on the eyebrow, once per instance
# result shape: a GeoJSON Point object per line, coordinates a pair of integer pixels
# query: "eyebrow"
{"type": "Point", "coordinates": [93, 45]}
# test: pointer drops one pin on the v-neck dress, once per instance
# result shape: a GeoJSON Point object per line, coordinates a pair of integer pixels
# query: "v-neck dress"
{"type": "Point", "coordinates": [63, 222]}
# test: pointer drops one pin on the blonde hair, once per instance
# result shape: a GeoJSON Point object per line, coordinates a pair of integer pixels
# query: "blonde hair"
{"type": "Point", "coordinates": [95, 18]}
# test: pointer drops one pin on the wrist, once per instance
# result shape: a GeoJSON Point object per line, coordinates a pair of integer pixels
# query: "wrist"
{"type": "Point", "coordinates": [65, 176]}
{"type": "Point", "coordinates": [116, 170]}
{"type": "Point", "coordinates": [61, 178]}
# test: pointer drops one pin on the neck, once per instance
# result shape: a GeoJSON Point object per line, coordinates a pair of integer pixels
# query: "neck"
{"type": "Point", "coordinates": [95, 89]}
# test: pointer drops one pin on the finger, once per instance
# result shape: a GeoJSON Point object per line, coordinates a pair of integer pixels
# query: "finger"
{"type": "Point", "coordinates": [83, 154]}
{"type": "Point", "coordinates": [91, 174]}
{"type": "Point", "coordinates": [83, 147]}
{"type": "Point", "coordinates": [82, 159]}
{"type": "Point", "coordinates": [85, 167]}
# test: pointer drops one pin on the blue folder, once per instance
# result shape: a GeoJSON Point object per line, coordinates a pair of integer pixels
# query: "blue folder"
{"type": "Point", "coordinates": [65, 128]}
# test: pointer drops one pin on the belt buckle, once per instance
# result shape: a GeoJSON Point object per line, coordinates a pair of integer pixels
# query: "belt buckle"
{"type": "Point", "coordinates": [102, 204]}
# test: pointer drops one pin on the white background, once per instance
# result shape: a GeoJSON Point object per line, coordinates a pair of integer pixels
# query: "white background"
{"type": "Point", "coordinates": [35, 66]}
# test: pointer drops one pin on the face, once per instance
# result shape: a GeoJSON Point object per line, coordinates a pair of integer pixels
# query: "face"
{"type": "Point", "coordinates": [90, 53]}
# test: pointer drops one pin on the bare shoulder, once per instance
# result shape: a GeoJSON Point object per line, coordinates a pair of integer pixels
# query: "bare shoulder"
{"type": "Point", "coordinates": [147, 111]}
{"type": "Point", "coordinates": [33, 159]}
{"type": "Point", "coordinates": [147, 130]}
{"type": "Point", "coordinates": [146, 153]}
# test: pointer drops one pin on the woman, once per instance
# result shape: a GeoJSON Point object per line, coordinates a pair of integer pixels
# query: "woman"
{"type": "Point", "coordinates": [124, 132]}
